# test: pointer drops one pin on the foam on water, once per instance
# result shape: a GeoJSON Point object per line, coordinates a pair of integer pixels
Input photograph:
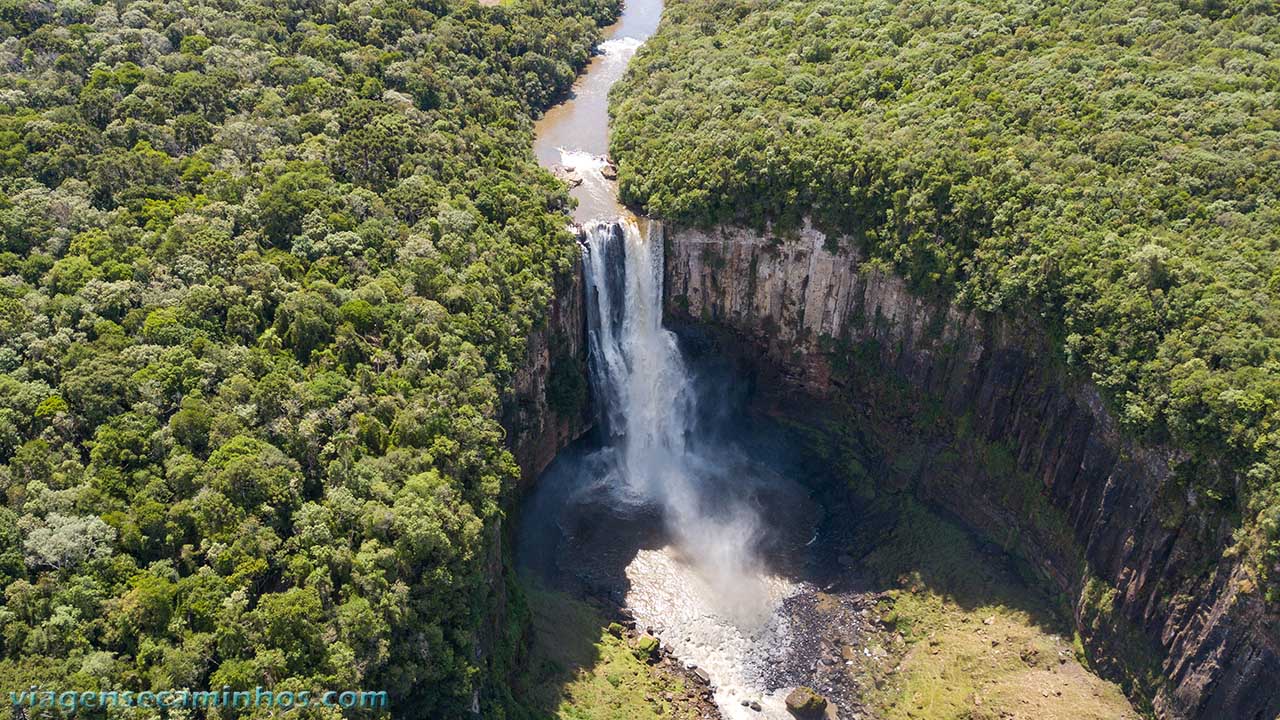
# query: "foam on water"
{"type": "Point", "coordinates": [581, 161]}
{"type": "Point", "coordinates": [707, 593]}
{"type": "Point", "coordinates": [621, 48]}
{"type": "Point", "coordinates": [702, 627]}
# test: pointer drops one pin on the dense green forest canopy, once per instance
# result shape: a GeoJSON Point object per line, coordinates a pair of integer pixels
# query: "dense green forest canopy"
{"type": "Point", "coordinates": [1111, 166]}
{"type": "Point", "coordinates": [264, 270]}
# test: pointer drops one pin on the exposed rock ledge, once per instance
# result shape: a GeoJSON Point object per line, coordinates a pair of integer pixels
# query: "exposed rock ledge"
{"type": "Point", "coordinates": [1136, 571]}
{"type": "Point", "coordinates": [536, 430]}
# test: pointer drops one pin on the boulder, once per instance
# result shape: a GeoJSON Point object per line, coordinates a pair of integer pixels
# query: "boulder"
{"type": "Point", "coordinates": [569, 175]}
{"type": "Point", "coordinates": [646, 647]}
{"type": "Point", "coordinates": [806, 704]}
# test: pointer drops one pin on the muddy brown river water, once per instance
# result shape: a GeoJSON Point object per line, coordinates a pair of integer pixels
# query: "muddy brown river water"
{"type": "Point", "coordinates": [694, 526]}
{"type": "Point", "coordinates": [575, 133]}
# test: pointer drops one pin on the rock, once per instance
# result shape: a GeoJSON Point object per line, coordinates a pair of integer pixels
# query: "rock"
{"type": "Point", "coordinates": [609, 171]}
{"type": "Point", "coordinates": [615, 629]}
{"type": "Point", "coordinates": [702, 676]}
{"type": "Point", "coordinates": [567, 174]}
{"type": "Point", "coordinates": [755, 706]}
{"type": "Point", "coordinates": [1029, 654]}
{"type": "Point", "coordinates": [646, 647]}
{"type": "Point", "coordinates": [805, 703]}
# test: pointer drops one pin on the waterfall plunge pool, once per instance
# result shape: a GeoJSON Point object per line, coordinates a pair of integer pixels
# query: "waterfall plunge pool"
{"type": "Point", "coordinates": [718, 531]}
{"type": "Point", "coordinates": [689, 514]}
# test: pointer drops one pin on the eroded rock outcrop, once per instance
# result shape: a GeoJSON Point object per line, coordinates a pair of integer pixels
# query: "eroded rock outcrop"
{"type": "Point", "coordinates": [805, 703]}
{"type": "Point", "coordinates": [546, 408]}
{"type": "Point", "coordinates": [1097, 513]}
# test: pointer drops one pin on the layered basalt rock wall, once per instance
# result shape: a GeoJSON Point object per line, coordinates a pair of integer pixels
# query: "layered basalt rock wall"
{"type": "Point", "coordinates": [1157, 602]}
{"type": "Point", "coordinates": [541, 415]}
{"type": "Point", "coordinates": [537, 426]}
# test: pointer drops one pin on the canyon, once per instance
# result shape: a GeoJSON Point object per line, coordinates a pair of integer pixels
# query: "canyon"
{"type": "Point", "coordinates": [908, 394]}
{"type": "Point", "coordinates": [973, 414]}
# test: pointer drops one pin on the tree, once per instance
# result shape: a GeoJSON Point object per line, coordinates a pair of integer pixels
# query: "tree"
{"type": "Point", "coordinates": [64, 541]}
{"type": "Point", "coordinates": [306, 321]}
{"type": "Point", "coordinates": [253, 473]}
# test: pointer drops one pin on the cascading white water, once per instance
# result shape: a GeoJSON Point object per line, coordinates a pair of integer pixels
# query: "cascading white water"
{"type": "Point", "coordinates": [707, 593]}
{"type": "Point", "coordinates": [697, 578]}
{"type": "Point", "coordinates": [636, 367]}
{"type": "Point", "coordinates": [648, 406]}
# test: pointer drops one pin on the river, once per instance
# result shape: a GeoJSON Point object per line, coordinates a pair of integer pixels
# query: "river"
{"type": "Point", "coordinates": [681, 509]}
{"type": "Point", "coordinates": [575, 133]}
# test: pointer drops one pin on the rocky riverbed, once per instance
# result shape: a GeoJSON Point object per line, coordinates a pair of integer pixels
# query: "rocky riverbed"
{"type": "Point", "coordinates": [802, 618]}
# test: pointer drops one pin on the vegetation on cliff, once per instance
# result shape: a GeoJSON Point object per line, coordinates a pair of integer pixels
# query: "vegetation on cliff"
{"type": "Point", "coordinates": [583, 668]}
{"type": "Point", "coordinates": [264, 268]}
{"type": "Point", "coordinates": [1113, 168]}
{"type": "Point", "coordinates": [979, 642]}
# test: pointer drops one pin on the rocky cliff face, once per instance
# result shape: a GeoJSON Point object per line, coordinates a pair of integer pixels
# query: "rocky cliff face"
{"type": "Point", "coordinates": [545, 409]}
{"type": "Point", "coordinates": [547, 406]}
{"type": "Point", "coordinates": [1014, 446]}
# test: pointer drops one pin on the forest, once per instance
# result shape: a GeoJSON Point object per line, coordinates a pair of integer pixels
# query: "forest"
{"type": "Point", "coordinates": [265, 269]}
{"type": "Point", "coordinates": [1104, 169]}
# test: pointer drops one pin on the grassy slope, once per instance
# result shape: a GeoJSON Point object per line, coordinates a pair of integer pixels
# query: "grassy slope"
{"type": "Point", "coordinates": [980, 643]}
{"type": "Point", "coordinates": [578, 671]}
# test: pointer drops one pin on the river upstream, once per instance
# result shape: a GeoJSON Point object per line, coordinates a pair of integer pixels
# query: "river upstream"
{"type": "Point", "coordinates": [720, 533]}
{"type": "Point", "coordinates": [681, 511]}
{"type": "Point", "coordinates": [574, 135]}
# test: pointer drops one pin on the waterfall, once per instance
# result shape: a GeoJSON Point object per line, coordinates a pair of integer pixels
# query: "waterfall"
{"type": "Point", "coordinates": [697, 578]}
{"type": "Point", "coordinates": [648, 408]}
{"type": "Point", "coordinates": [646, 396]}
{"type": "Point", "coordinates": [677, 510]}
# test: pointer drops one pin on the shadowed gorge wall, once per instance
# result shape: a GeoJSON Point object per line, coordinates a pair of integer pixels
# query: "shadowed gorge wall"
{"type": "Point", "coordinates": [974, 414]}
{"type": "Point", "coordinates": [547, 407]}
